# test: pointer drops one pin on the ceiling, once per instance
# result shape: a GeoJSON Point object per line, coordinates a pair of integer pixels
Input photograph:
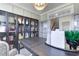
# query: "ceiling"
{"type": "Point", "coordinates": [30, 7]}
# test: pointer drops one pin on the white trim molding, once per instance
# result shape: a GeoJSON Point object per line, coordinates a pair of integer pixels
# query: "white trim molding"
{"type": "Point", "coordinates": [25, 8]}
{"type": "Point", "coordinates": [62, 11]}
{"type": "Point", "coordinates": [57, 8]}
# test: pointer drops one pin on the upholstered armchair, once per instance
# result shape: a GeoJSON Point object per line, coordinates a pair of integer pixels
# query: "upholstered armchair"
{"type": "Point", "coordinates": [4, 50]}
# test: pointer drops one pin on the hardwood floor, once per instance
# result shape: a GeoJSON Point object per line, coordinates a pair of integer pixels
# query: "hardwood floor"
{"type": "Point", "coordinates": [38, 47]}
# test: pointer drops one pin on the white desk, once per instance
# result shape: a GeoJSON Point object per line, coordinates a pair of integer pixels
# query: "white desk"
{"type": "Point", "coordinates": [58, 39]}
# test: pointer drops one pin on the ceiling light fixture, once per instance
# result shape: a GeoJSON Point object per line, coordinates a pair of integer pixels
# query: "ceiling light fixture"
{"type": "Point", "coordinates": [40, 6]}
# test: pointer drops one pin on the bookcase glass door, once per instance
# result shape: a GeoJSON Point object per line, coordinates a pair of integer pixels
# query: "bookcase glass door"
{"type": "Point", "coordinates": [27, 28]}
{"type": "Point", "coordinates": [21, 27]}
{"type": "Point", "coordinates": [36, 28]}
{"type": "Point", "coordinates": [3, 26]}
{"type": "Point", "coordinates": [32, 24]}
{"type": "Point", "coordinates": [11, 30]}
{"type": "Point", "coordinates": [20, 30]}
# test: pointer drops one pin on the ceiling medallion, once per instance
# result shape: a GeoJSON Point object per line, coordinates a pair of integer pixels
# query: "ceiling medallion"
{"type": "Point", "coordinates": [39, 6]}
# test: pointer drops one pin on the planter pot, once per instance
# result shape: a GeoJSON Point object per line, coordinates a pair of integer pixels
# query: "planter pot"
{"type": "Point", "coordinates": [73, 45]}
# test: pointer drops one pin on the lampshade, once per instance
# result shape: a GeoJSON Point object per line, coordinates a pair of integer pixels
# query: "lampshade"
{"type": "Point", "coordinates": [40, 6]}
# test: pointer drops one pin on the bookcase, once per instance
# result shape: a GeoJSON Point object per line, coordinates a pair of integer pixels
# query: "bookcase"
{"type": "Point", "coordinates": [8, 28]}
{"type": "Point", "coordinates": [3, 26]}
{"type": "Point", "coordinates": [21, 27]}
{"type": "Point", "coordinates": [34, 28]}
{"type": "Point", "coordinates": [31, 28]}
{"type": "Point", "coordinates": [16, 27]}
{"type": "Point", "coordinates": [11, 29]}
{"type": "Point", "coordinates": [27, 28]}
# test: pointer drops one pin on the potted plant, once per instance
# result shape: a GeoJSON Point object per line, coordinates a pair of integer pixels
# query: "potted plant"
{"type": "Point", "coordinates": [72, 38]}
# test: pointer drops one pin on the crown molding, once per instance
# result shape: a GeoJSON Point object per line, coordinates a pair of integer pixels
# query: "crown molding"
{"type": "Point", "coordinates": [25, 9]}
{"type": "Point", "coordinates": [53, 9]}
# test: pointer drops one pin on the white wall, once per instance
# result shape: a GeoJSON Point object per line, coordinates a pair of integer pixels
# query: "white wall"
{"type": "Point", "coordinates": [6, 7]}
{"type": "Point", "coordinates": [76, 8]}
{"type": "Point", "coordinates": [63, 21]}
{"type": "Point", "coordinates": [43, 17]}
{"type": "Point", "coordinates": [60, 12]}
{"type": "Point", "coordinates": [40, 29]}
{"type": "Point", "coordinates": [18, 10]}
{"type": "Point", "coordinates": [43, 29]}
{"type": "Point", "coordinates": [43, 26]}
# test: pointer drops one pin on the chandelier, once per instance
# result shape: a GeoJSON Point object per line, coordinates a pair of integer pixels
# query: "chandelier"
{"type": "Point", "coordinates": [40, 6]}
